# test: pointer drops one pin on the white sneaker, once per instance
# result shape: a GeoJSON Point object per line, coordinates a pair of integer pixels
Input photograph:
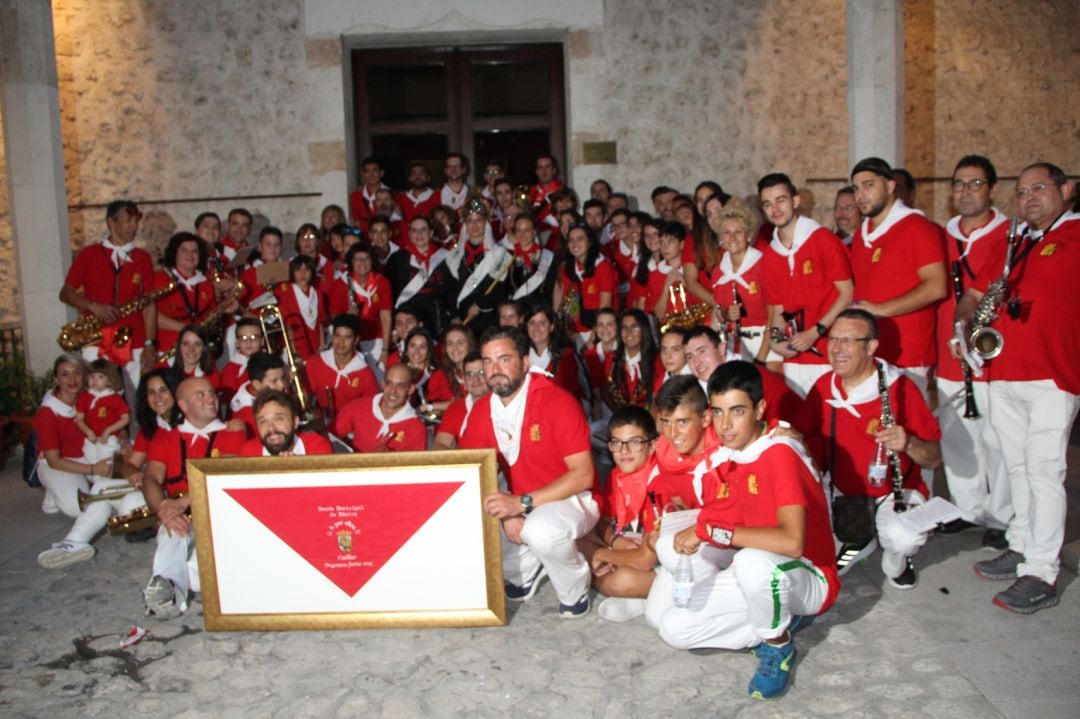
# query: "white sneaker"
{"type": "Point", "coordinates": [63, 554]}
{"type": "Point", "coordinates": [160, 599]}
{"type": "Point", "coordinates": [621, 609]}
{"type": "Point", "coordinates": [48, 503]}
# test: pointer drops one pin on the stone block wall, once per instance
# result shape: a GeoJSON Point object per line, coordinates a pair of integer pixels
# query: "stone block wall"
{"type": "Point", "coordinates": [9, 275]}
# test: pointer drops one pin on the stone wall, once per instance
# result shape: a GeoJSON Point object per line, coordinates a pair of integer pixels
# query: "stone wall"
{"type": "Point", "coordinates": [9, 275]}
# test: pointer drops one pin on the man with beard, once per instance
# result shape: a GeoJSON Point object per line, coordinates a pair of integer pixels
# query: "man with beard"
{"type": "Point", "coordinates": [542, 440]}
{"type": "Point", "coordinates": [362, 199]}
{"type": "Point", "coordinates": [277, 417]}
{"type": "Point", "coordinates": [846, 215]}
{"type": "Point", "coordinates": [385, 422]}
{"type": "Point", "coordinates": [419, 199]}
{"type": "Point", "coordinates": [456, 189]}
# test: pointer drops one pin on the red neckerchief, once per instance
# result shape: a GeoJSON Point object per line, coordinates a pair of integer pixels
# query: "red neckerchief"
{"type": "Point", "coordinates": [529, 258]}
{"type": "Point", "coordinates": [629, 493]}
{"type": "Point", "coordinates": [473, 253]}
{"type": "Point", "coordinates": [672, 462]}
{"type": "Point", "coordinates": [422, 257]}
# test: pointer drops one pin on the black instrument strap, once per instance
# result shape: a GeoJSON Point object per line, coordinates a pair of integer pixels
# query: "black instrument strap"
{"type": "Point", "coordinates": [192, 311]}
{"type": "Point", "coordinates": [963, 260]}
{"type": "Point", "coordinates": [183, 458]}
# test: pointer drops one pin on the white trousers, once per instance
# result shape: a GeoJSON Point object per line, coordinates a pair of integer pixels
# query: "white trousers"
{"type": "Point", "coordinates": [705, 563]}
{"type": "Point", "coordinates": [898, 543]}
{"type": "Point", "coordinates": [1032, 421]}
{"type": "Point", "coordinates": [974, 470]}
{"type": "Point", "coordinates": [175, 559]}
{"type": "Point", "coordinates": [550, 538]}
{"type": "Point", "coordinates": [751, 601]}
{"type": "Point", "coordinates": [96, 515]}
{"type": "Point", "coordinates": [64, 486]}
{"type": "Point", "coordinates": [749, 346]}
{"type": "Point", "coordinates": [801, 377]}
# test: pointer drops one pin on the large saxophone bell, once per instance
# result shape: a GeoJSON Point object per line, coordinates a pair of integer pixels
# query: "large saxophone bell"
{"type": "Point", "coordinates": [987, 342]}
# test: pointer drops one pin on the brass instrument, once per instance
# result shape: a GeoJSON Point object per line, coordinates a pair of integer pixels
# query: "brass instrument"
{"type": "Point", "coordinates": [986, 341]}
{"type": "Point", "coordinates": [273, 322]}
{"type": "Point", "coordinates": [569, 308]}
{"type": "Point", "coordinates": [85, 498]}
{"type": "Point", "coordinates": [87, 330]}
{"type": "Point", "coordinates": [135, 521]}
{"type": "Point", "coordinates": [887, 421]}
{"type": "Point", "coordinates": [971, 410]}
{"type": "Point", "coordinates": [689, 315]}
{"type": "Point", "coordinates": [212, 318]}
{"type": "Point", "coordinates": [736, 331]}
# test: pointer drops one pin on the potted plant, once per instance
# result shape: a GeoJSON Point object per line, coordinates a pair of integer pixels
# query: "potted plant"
{"type": "Point", "coordinates": [20, 395]}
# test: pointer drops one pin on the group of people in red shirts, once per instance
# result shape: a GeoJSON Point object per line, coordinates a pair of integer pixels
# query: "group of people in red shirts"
{"type": "Point", "coordinates": [681, 394]}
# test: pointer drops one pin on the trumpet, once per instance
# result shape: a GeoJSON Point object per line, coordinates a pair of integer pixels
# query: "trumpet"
{"type": "Point", "coordinates": [689, 315]}
{"type": "Point", "coordinates": [986, 341]}
{"type": "Point", "coordinates": [85, 498]}
{"type": "Point", "coordinates": [273, 322]}
{"type": "Point", "coordinates": [87, 330]}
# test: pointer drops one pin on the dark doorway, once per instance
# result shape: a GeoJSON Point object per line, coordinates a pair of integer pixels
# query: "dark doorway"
{"type": "Point", "coordinates": [500, 104]}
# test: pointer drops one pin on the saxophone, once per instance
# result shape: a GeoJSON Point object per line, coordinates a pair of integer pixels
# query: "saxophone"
{"type": "Point", "coordinates": [985, 341]}
{"type": "Point", "coordinates": [887, 421]}
{"type": "Point", "coordinates": [87, 330]}
{"type": "Point", "coordinates": [689, 315]}
{"type": "Point", "coordinates": [212, 317]}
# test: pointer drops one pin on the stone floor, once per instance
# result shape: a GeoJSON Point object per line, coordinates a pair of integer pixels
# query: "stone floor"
{"type": "Point", "coordinates": [940, 650]}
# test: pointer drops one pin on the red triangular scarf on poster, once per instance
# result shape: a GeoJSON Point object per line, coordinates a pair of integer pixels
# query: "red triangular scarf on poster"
{"type": "Point", "coordinates": [346, 533]}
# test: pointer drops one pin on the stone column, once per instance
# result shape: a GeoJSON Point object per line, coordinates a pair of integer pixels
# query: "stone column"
{"type": "Point", "coordinates": [875, 61]}
{"type": "Point", "coordinates": [35, 169]}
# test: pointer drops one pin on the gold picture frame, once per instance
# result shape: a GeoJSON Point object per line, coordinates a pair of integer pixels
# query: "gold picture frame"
{"type": "Point", "coordinates": [283, 542]}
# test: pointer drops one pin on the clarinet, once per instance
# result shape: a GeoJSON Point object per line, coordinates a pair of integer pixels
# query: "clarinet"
{"type": "Point", "coordinates": [971, 410]}
{"type": "Point", "coordinates": [736, 332]}
{"type": "Point", "coordinates": [887, 421]}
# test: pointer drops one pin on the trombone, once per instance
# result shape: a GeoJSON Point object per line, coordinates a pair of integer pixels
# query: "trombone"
{"type": "Point", "coordinates": [273, 322]}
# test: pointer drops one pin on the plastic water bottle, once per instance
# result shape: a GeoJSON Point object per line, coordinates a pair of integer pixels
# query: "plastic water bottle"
{"type": "Point", "coordinates": [684, 582]}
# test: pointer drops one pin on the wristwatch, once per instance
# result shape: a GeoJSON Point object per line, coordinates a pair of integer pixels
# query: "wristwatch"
{"type": "Point", "coordinates": [721, 536]}
{"type": "Point", "coordinates": [526, 502]}
{"type": "Point", "coordinates": [822, 330]}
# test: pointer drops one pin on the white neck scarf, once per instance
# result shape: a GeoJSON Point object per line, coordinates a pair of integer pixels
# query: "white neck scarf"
{"type": "Point", "coordinates": [406, 412]}
{"type": "Point", "coordinates": [190, 282]}
{"type": "Point", "coordinates": [363, 291]}
{"type": "Point", "coordinates": [866, 391]}
{"type": "Point", "coordinates": [242, 398]}
{"type": "Point", "coordinates": [542, 360]}
{"type": "Point", "coordinates": [632, 366]}
{"type": "Point", "coordinates": [729, 274]}
{"type": "Point", "coordinates": [298, 448]}
{"type": "Point", "coordinates": [422, 197]}
{"type": "Point", "coordinates": [215, 425]}
{"type": "Point", "coordinates": [308, 304]}
{"type": "Point", "coordinates": [506, 420]}
{"type": "Point", "coordinates": [627, 251]}
{"type": "Point", "coordinates": [241, 362]}
{"type": "Point", "coordinates": [354, 365]}
{"type": "Point", "coordinates": [120, 253]}
{"type": "Point", "coordinates": [897, 212]}
{"type": "Point", "coordinates": [369, 197]}
{"type": "Point", "coordinates": [804, 227]}
{"type": "Point", "coordinates": [751, 453]}
{"type": "Point", "coordinates": [162, 423]}
{"type": "Point", "coordinates": [968, 241]}
{"type": "Point", "coordinates": [453, 199]}
{"type": "Point", "coordinates": [99, 394]}
{"type": "Point", "coordinates": [58, 406]}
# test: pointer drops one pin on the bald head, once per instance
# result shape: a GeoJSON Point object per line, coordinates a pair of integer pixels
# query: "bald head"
{"type": "Point", "coordinates": [197, 400]}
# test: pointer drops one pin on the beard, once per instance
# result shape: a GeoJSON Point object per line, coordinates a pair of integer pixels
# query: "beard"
{"type": "Point", "coordinates": [277, 442]}
{"type": "Point", "coordinates": [507, 386]}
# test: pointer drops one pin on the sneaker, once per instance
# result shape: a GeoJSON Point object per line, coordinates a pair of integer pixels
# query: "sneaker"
{"type": "Point", "coordinates": [143, 535]}
{"type": "Point", "coordinates": [1027, 595]}
{"type": "Point", "coordinates": [956, 526]}
{"type": "Point", "coordinates": [48, 503]}
{"type": "Point", "coordinates": [621, 609]}
{"type": "Point", "coordinates": [994, 539]}
{"type": "Point", "coordinates": [160, 599]}
{"type": "Point", "coordinates": [800, 621]}
{"type": "Point", "coordinates": [907, 579]}
{"type": "Point", "coordinates": [1003, 566]}
{"type": "Point", "coordinates": [774, 669]}
{"type": "Point", "coordinates": [849, 554]}
{"type": "Point", "coordinates": [524, 592]}
{"type": "Point", "coordinates": [63, 554]}
{"type": "Point", "coordinates": [577, 610]}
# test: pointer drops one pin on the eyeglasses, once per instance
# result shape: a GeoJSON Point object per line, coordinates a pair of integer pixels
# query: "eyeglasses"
{"type": "Point", "coordinates": [972, 185]}
{"type": "Point", "coordinates": [475, 374]}
{"type": "Point", "coordinates": [1037, 189]}
{"type": "Point", "coordinates": [847, 341]}
{"type": "Point", "coordinates": [634, 443]}
{"type": "Point", "coordinates": [249, 338]}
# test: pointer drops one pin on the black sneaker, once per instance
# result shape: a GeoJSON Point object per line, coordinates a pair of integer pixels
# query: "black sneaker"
{"type": "Point", "coordinates": [850, 554]}
{"type": "Point", "coordinates": [956, 526]}
{"type": "Point", "coordinates": [994, 539]}
{"type": "Point", "coordinates": [143, 535]}
{"type": "Point", "coordinates": [1027, 595]}
{"type": "Point", "coordinates": [1003, 566]}
{"type": "Point", "coordinates": [524, 592]}
{"type": "Point", "coordinates": [907, 579]}
{"type": "Point", "coordinates": [577, 610]}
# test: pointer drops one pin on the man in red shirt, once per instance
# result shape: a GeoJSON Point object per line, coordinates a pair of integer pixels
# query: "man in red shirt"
{"type": "Point", "coordinates": [277, 418]}
{"type": "Point", "coordinates": [362, 199]}
{"type": "Point", "coordinates": [846, 405]}
{"type": "Point", "coordinates": [165, 488]}
{"type": "Point", "coordinates": [1035, 382]}
{"type": "Point", "coordinates": [340, 374]}
{"type": "Point", "coordinates": [385, 422]}
{"type": "Point", "coordinates": [763, 499]}
{"type": "Point", "coordinates": [106, 275]}
{"type": "Point", "coordinates": [237, 229]}
{"type": "Point", "coordinates": [456, 417]}
{"type": "Point", "coordinates": [419, 199]}
{"type": "Point", "coordinates": [898, 262]}
{"type": "Point", "coordinates": [978, 482]}
{"type": "Point", "coordinates": [807, 279]}
{"type": "Point", "coordinates": [542, 440]}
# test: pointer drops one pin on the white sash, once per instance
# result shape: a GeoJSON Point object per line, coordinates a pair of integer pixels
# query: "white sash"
{"type": "Point", "coordinates": [421, 277]}
{"type": "Point", "coordinates": [308, 304]}
{"type": "Point", "coordinates": [493, 264]}
{"type": "Point", "coordinates": [537, 278]}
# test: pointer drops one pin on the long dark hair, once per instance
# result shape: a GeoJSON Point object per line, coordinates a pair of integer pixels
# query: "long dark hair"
{"type": "Point", "coordinates": [591, 255]}
{"type": "Point", "coordinates": [145, 416]}
{"type": "Point", "coordinates": [648, 354]}
{"type": "Point", "coordinates": [206, 362]}
{"type": "Point", "coordinates": [557, 342]}
{"type": "Point", "coordinates": [447, 365]}
{"type": "Point", "coordinates": [641, 273]}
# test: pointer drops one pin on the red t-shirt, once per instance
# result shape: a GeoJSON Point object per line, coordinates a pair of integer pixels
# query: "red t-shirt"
{"type": "Point", "coordinates": [412, 208]}
{"type": "Point", "coordinates": [752, 295]}
{"type": "Point", "coordinates": [313, 444]}
{"type": "Point", "coordinates": [855, 444]}
{"type": "Point", "coordinates": [749, 495]}
{"type": "Point", "coordinates": [361, 209]}
{"type": "Point", "coordinates": [56, 432]}
{"type": "Point", "coordinates": [657, 279]}
{"type": "Point", "coordinates": [93, 272]}
{"type": "Point", "coordinates": [674, 476]}
{"type": "Point", "coordinates": [358, 380]}
{"type": "Point", "coordinates": [437, 388]}
{"type": "Point", "coordinates": [165, 448]}
{"type": "Point", "coordinates": [888, 269]}
{"type": "Point", "coordinates": [1042, 342]}
{"type": "Point", "coordinates": [406, 435]}
{"type": "Point", "coordinates": [604, 279]}
{"type": "Point", "coordinates": [198, 304]}
{"type": "Point", "coordinates": [806, 281]}
{"type": "Point", "coordinates": [781, 403]}
{"type": "Point", "coordinates": [375, 296]}
{"type": "Point", "coordinates": [626, 499]}
{"type": "Point", "coordinates": [104, 412]}
{"type": "Point", "coordinates": [553, 428]}
{"type": "Point", "coordinates": [979, 245]}
{"type": "Point", "coordinates": [233, 375]}
{"type": "Point", "coordinates": [453, 418]}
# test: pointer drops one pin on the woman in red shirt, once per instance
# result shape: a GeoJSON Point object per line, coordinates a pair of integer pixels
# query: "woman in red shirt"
{"type": "Point", "coordinates": [588, 274]}
{"type": "Point", "coordinates": [458, 342]}
{"type": "Point", "coordinates": [431, 389]}
{"type": "Point", "coordinates": [193, 357]}
{"type": "Point", "coordinates": [184, 264]}
{"type": "Point", "coordinates": [303, 307]}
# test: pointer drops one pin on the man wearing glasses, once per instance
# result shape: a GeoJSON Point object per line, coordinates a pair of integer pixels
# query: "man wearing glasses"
{"type": "Point", "coordinates": [1034, 382]}
{"type": "Point", "coordinates": [976, 475]}
{"type": "Point", "coordinates": [456, 417]}
{"type": "Point", "coordinates": [846, 405]}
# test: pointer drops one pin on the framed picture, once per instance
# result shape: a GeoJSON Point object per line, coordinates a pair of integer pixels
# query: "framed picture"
{"type": "Point", "coordinates": [347, 541]}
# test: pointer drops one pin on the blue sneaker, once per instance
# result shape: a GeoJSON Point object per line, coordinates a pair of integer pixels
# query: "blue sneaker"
{"type": "Point", "coordinates": [774, 670]}
{"type": "Point", "coordinates": [524, 592]}
{"type": "Point", "coordinates": [577, 610]}
{"type": "Point", "coordinates": [800, 621]}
